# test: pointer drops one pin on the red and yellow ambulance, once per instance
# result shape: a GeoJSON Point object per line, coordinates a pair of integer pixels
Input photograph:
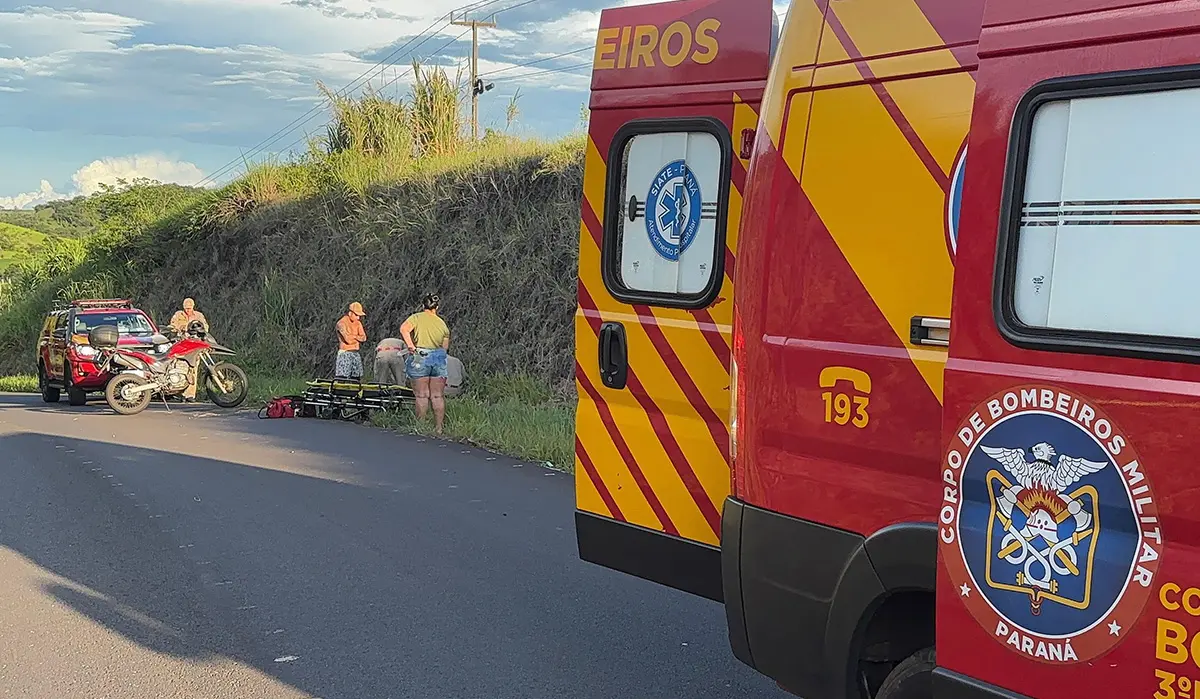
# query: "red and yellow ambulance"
{"type": "Point", "coordinates": [936, 442]}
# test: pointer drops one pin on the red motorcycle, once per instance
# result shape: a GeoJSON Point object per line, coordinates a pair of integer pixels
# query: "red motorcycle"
{"type": "Point", "coordinates": [166, 369]}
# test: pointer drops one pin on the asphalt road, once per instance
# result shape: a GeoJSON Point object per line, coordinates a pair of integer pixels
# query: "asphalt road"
{"type": "Point", "coordinates": [205, 554]}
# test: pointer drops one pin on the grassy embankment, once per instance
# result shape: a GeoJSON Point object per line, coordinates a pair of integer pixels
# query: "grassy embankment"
{"type": "Point", "coordinates": [17, 244]}
{"type": "Point", "coordinates": [392, 202]}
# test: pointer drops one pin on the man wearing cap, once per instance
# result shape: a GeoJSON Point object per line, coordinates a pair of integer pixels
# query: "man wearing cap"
{"type": "Point", "coordinates": [350, 335]}
{"type": "Point", "coordinates": [179, 323]}
{"type": "Point", "coordinates": [181, 319]}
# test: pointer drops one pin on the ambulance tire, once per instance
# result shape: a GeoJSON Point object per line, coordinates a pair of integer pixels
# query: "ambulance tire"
{"type": "Point", "coordinates": [911, 679]}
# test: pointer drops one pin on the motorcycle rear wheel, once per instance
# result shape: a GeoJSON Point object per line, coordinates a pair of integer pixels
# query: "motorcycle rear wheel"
{"type": "Point", "coordinates": [229, 373]}
{"type": "Point", "coordinates": [127, 405]}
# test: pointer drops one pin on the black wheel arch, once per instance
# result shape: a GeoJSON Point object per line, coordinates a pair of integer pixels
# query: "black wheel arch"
{"type": "Point", "coordinates": [883, 611]}
{"type": "Point", "coordinates": [875, 605]}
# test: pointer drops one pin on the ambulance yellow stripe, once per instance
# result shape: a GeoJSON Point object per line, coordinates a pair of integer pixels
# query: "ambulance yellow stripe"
{"type": "Point", "coordinates": [587, 494]}
{"type": "Point", "coordinates": [799, 39]}
{"type": "Point", "coordinates": [644, 441]}
{"type": "Point", "coordinates": [657, 335]}
{"type": "Point", "coordinates": [855, 146]}
{"type": "Point", "coordinates": [609, 464]}
{"type": "Point", "coordinates": [880, 27]}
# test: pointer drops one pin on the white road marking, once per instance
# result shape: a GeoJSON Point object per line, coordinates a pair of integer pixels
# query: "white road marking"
{"type": "Point", "coordinates": [287, 658]}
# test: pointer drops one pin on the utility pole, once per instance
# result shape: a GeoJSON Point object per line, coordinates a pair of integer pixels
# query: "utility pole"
{"type": "Point", "coordinates": [477, 86]}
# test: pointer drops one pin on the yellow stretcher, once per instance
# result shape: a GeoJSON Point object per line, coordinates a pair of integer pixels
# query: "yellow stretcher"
{"type": "Point", "coordinates": [346, 399]}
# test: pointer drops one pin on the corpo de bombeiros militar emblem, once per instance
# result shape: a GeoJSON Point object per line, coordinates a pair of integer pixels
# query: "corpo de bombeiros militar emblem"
{"type": "Point", "coordinates": [1048, 524]}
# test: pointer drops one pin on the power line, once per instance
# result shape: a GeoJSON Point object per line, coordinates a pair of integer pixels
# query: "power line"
{"type": "Point", "coordinates": [354, 84]}
{"type": "Point", "coordinates": [564, 69]}
{"type": "Point", "coordinates": [314, 111]}
{"type": "Point", "coordinates": [513, 7]}
{"type": "Point", "coordinates": [540, 60]}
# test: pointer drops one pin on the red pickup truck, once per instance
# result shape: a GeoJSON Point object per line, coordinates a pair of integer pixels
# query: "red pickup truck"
{"type": "Point", "coordinates": [64, 356]}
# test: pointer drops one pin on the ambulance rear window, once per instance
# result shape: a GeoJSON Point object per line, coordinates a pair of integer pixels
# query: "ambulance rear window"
{"type": "Point", "coordinates": [1104, 228]}
{"type": "Point", "coordinates": [664, 233]}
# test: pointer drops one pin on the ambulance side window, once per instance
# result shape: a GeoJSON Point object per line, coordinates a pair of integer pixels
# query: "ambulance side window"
{"type": "Point", "coordinates": [1101, 223]}
{"type": "Point", "coordinates": [664, 232]}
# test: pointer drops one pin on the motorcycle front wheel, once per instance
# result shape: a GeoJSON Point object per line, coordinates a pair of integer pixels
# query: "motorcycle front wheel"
{"type": "Point", "coordinates": [118, 396]}
{"type": "Point", "coordinates": [231, 375]}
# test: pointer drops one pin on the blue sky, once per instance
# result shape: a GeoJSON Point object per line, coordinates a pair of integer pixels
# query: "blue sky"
{"type": "Point", "coordinates": [92, 90]}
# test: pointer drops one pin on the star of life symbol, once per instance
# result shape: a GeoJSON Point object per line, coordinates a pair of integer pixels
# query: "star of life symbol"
{"type": "Point", "coordinates": [1044, 524]}
{"type": "Point", "coordinates": [673, 210]}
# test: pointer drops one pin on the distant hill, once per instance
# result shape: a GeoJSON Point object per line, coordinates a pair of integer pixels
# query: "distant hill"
{"type": "Point", "coordinates": [17, 243]}
{"type": "Point", "coordinates": [80, 216]}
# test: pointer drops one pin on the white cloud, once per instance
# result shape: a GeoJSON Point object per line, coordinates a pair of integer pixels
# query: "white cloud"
{"type": "Point", "coordinates": [227, 74]}
{"type": "Point", "coordinates": [89, 179]}
{"type": "Point", "coordinates": [42, 30]}
{"type": "Point", "coordinates": [28, 200]}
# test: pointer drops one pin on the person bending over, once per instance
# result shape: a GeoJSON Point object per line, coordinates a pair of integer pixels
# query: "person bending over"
{"type": "Point", "coordinates": [389, 362]}
{"type": "Point", "coordinates": [428, 339]}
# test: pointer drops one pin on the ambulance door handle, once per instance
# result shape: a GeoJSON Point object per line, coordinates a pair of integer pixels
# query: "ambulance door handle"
{"type": "Point", "coordinates": [614, 356]}
{"type": "Point", "coordinates": [927, 330]}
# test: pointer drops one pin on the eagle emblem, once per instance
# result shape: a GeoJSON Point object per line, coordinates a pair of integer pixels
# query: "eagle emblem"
{"type": "Point", "coordinates": [1042, 523]}
{"type": "Point", "coordinates": [1029, 474]}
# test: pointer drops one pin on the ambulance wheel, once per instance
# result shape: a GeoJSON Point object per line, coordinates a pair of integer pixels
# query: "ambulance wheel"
{"type": "Point", "coordinates": [911, 679]}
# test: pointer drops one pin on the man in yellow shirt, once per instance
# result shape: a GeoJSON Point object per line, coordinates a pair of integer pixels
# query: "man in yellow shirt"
{"type": "Point", "coordinates": [428, 339]}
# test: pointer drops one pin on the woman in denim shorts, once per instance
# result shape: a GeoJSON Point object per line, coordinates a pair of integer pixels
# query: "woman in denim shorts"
{"type": "Point", "coordinates": [428, 339]}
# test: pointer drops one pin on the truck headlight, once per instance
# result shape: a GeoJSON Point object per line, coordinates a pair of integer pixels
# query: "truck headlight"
{"type": "Point", "coordinates": [85, 351]}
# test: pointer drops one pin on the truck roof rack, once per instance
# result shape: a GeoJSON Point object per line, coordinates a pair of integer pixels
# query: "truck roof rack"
{"type": "Point", "coordinates": [97, 303]}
